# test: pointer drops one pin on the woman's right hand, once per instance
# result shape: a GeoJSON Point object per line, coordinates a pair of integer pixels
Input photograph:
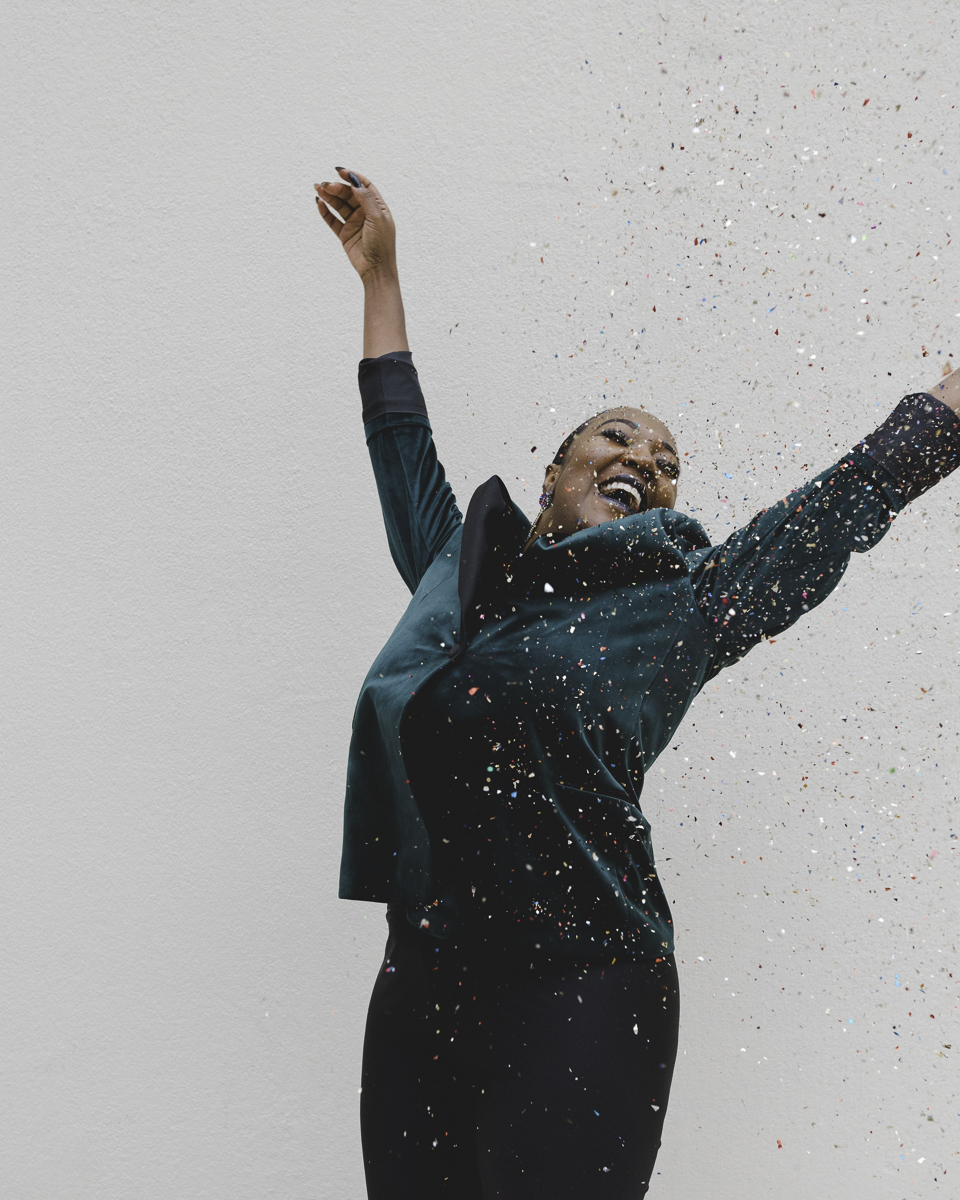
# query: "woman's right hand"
{"type": "Point", "coordinates": [363, 223]}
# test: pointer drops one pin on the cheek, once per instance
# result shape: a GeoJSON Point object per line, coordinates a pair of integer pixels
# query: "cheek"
{"type": "Point", "coordinates": [582, 502]}
{"type": "Point", "coordinates": [575, 490]}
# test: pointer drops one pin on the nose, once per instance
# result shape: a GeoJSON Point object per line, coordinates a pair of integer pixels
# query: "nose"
{"type": "Point", "coordinates": [640, 456]}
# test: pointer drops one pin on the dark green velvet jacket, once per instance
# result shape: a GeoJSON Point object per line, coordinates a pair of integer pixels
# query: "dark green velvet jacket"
{"type": "Point", "coordinates": [502, 736]}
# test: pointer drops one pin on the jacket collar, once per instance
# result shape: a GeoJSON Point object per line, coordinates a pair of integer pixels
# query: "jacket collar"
{"type": "Point", "coordinates": [646, 546]}
{"type": "Point", "coordinates": [494, 529]}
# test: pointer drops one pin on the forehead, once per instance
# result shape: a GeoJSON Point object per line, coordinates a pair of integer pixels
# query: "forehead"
{"type": "Point", "coordinates": [635, 421]}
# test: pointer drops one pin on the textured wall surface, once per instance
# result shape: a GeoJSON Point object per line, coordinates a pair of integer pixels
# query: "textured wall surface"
{"type": "Point", "coordinates": [738, 215]}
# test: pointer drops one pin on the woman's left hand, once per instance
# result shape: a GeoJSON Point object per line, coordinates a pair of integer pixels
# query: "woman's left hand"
{"type": "Point", "coordinates": [365, 228]}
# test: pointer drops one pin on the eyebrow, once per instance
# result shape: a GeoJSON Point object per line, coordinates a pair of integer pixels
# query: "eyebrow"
{"type": "Point", "coordinates": [634, 425]}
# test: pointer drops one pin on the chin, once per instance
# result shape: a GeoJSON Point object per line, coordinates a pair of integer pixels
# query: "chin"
{"type": "Point", "coordinates": [607, 512]}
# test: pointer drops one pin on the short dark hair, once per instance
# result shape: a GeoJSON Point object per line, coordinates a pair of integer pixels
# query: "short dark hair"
{"type": "Point", "coordinates": [569, 439]}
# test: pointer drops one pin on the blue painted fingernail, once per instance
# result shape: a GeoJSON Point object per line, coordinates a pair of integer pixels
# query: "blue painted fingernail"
{"type": "Point", "coordinates": [353, 179]}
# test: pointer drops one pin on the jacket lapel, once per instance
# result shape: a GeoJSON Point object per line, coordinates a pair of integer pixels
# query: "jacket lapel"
{"type": "Point", "coordinates": [494, 527]}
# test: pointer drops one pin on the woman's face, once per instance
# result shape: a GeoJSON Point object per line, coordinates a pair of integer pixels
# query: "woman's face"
{"type": "Point", "coordinates": [624, 462]}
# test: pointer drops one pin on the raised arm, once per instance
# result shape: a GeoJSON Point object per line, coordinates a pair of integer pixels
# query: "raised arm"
{"type": "Point", "coordinates": [419, 509]}
{"type": "Point", "coordinates": [369, 236]}
{"type": "Point", "coordinates": [790, 557]}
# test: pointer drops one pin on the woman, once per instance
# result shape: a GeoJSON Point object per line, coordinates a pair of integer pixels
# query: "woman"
{"type": "Point", "coordinates": [522, 1031]}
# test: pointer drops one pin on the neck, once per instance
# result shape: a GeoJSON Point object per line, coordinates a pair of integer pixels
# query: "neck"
{"type": "Point", "coordinates": [536, 532]}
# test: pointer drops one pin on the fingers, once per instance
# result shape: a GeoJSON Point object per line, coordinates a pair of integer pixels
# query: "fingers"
{"type": "Point", "coordinates": [339, 196]}
{"type": "Point", "coordinates": [343, 191]}
{"type": "Point", "coordinates": [348, 191]}
{"type": "Point", "coordinates": [359, 216]}
{"type": "Point", "coordinates": [335, 224]}
{"type": "Point", "coordinates": [345, 174]}
{"type": "Point", "coordinates": [372, 202]}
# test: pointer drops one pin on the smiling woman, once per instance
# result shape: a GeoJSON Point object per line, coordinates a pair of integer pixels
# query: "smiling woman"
{"type": "Point", "coordinates": [620, 462]}
{"type": "Point", "coordinates": [522, 1030]}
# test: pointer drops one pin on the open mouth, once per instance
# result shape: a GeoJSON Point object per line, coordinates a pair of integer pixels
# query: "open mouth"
{"type": "Point", "coordinates": [622, 493]}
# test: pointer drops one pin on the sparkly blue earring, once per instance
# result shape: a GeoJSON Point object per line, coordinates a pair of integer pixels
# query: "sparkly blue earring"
{"type": "Point", "coordinates": [545, 500]}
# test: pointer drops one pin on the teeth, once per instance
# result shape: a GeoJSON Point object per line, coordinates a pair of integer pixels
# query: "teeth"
{"type": "Point", "coordinates": [624, 488]}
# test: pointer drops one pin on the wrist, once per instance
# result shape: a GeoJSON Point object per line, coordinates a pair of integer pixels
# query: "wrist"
{"type": "Point", "coordinates": [384, 328]}
{"type": "Point", "coordinates": [381, 278]}
{"type": "Point", "coordinates": [948, 390]}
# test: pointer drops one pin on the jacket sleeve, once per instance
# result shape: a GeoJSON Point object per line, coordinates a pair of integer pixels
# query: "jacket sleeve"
{"type": "Point", "coordinates": [419, 509]}
{"type": "Point", "coordinates": [791, 556]}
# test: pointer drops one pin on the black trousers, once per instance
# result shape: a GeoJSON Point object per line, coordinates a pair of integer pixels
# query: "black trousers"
{"type": "Point", "coordinates": [483, 1078]}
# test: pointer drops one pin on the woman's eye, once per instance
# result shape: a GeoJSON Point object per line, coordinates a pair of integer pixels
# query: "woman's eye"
{"type": "Point", "coordinates": [622, 439]}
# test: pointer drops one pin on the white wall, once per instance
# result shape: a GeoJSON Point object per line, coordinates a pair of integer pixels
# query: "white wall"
{"type": "Point", "coordinates": [187, 612]}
